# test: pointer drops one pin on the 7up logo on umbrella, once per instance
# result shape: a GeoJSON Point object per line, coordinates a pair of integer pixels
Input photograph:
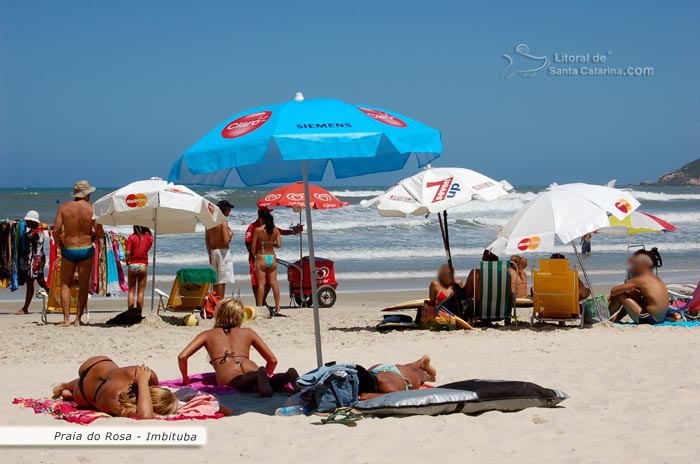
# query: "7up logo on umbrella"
{"type": "Point", "coordinates": [445, 189]}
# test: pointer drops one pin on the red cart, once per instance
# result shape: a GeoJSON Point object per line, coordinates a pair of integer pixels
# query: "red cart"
{"type": "Point", "coordinates": [325, 281]}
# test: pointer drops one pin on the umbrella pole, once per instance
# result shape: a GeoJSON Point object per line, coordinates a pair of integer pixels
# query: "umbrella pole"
{"type": "Point", "coordinates": [155, 252]}
{"type": "Point", "coordinates": [588, 282]}
{"type": "Point", "coordinates": [312, 262]}
{"type": "Point", "coordinates": [446, 240]}
{"type": "Point", "coordinates": [301, 256]}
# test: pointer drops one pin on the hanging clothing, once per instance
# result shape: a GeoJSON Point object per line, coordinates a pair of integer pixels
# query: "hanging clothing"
{"type": "Point", "coordinates": [14, 262]}
{"type": "Point", "coordinates": [35, 259]}
{"type": "Point", "coordinates": [113, 287]}
{"type": "Point", "coordinates": [5, 253]}
{"type": "Point", "coordinates": [123, 285]}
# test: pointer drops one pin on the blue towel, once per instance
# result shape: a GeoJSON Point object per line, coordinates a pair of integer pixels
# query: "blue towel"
{"type": "Point", "coordinates": [667, 324]}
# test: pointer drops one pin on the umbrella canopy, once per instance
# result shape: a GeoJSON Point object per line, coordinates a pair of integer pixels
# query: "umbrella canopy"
{"type": "Point", "coordinates": [292, 196]}
{"type": "Point", "coordinates": [636, 223]}
{"type": "Point", "coordinates": [178, 208]}
{"type": "Point", "coordinates": [164, 207]}
{"type": "Point", "coordinates": [437, 189]}
{"type": "Point", "coordinates": [297, 140]}
{"type": "Point", "coordinates": [356, 139]}
{"type": "Point", "coordinates": [434, 190]}
{"type": "Point", "coordinates": [567, 212]}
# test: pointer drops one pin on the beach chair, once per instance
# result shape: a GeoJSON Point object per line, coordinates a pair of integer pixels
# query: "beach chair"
{"type": "Point", "coordinates": [555, 293]}
{"type": "Point", "coordinates": [51, 301]}
{"type": "Point", "coordinates": [189, 292]}
{"type": "Point", "coordinates": [685, 300]}
{"type": "Point", "coordinates": [495, 300]}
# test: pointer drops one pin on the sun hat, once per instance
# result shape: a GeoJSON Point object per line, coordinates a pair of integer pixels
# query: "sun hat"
{"type": "Point", "coordinates": [32, 216]}
{"type": "Point", "coordinates": [82, 188]}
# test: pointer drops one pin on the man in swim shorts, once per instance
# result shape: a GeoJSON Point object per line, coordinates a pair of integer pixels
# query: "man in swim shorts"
{"type": "Point", "coordinates": [218, 240]}
{"type": "Point", "coordinates": [251, 255]}
{"type": "Point", "coordinates": [644, 298]}
{"type": "Point", "coordinates": [74, 231]}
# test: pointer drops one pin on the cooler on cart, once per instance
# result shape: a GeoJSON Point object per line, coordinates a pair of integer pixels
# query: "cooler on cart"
{"type": "Point", "coordinates": [299, 277]}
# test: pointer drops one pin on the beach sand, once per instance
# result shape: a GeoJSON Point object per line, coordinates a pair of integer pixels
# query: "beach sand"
{"type": "Point", "coordinates": [634, 390]}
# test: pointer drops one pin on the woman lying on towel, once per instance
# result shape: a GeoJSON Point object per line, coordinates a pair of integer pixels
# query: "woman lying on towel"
{"type": "Point", "coordinates": [120, 391]}
{"type": "Point", "coordinates": [389, 378]}
{"type": "Point", "coordinates": [228, 345]}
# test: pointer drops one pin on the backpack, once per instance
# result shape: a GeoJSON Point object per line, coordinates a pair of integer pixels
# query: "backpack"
{"type": "Point", "coordinates": [330, 387]}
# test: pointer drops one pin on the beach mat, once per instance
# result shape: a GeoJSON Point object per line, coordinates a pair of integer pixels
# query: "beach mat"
{"type": "Point", "coordinates": [667, 324]}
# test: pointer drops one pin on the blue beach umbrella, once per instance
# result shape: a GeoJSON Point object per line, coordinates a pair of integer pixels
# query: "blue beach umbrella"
{"type": "Point", "coordinates": [296, 140]}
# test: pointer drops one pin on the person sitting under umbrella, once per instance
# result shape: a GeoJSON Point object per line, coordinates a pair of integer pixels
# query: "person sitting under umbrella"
{"type": "Point", "coordinates": [583, 291]}
{"type": "Point", "coordinates": [444, 286]}
{"type": "Point", "coordinates": [644, 298]}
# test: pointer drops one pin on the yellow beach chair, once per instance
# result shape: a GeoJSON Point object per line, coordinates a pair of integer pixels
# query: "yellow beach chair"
{"type": "Point", "coordinates": [189, 292]}
{"type": "Point", "coordinates": [51, 301]}
{"type": "Point", "coordinates": [555, 293]}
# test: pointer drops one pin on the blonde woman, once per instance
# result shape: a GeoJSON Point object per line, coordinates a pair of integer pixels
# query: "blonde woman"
{"type": "Point", "coordinates": [228, 346]}
{"type": "Point", "coordinates": [120, 391]}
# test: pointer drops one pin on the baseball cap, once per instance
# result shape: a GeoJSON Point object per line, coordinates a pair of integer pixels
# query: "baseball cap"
{"type": "Point", "coordinates": [82, 188]}
{"type": "Point", "coordinates": [32, 216]}
{"type": "Point", "coordinates": [225, 204]}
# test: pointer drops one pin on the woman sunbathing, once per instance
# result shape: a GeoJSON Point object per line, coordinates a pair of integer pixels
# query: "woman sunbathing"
{"type": "Point", "coordinates": [120, 391]}
{"type": "Point", "coordinates": [228, 345]}
{"type": "Point", "coordinates": [389, 378]}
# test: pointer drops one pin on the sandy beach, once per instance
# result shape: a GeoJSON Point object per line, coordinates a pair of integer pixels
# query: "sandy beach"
{"type": "Point", "coordinates": [633, 389]}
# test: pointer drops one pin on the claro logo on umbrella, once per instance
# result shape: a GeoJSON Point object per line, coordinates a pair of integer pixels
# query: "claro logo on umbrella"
{"type": "Point", "coordinates": [136, 200]}
{"type": "Point", "coordinates": [381, 116]}
{"type": "Point", "coordinates": [245, 124]}
{"type": "Point", "coordinates": [529, 243]}
{"type": "Point", "coordinates": [623, 205]}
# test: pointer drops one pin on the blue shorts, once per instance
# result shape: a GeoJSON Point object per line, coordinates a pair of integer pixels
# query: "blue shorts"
{"type": "Point", "coordinates": [77, 254]}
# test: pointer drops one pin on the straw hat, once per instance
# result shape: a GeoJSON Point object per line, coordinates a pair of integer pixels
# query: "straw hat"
{"type": "Point", "coordinates": [82, 188]}
{"type": "Point", "coordinates": [32, 216]}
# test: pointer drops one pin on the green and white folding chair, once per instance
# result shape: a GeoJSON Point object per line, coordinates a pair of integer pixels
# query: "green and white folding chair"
{"type": "Point", "coordinates": [495, 295]}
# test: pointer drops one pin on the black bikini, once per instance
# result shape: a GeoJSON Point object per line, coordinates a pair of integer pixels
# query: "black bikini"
{"type": "Point", "coordinates": [227, 355]}
{"type": "Point", "coordinates": [81, 382]}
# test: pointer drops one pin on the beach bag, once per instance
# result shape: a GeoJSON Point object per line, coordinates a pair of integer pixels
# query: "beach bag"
{"type": "Point", "coordinates": [330, 387]}
{"type": "Point", "coordinates": [209, 309]}
{"type": "Point", "coordinates": [592, 306]}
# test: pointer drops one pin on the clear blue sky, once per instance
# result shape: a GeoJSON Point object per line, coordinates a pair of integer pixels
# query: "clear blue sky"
{"type": "Point", "coordinates": [115, 91]}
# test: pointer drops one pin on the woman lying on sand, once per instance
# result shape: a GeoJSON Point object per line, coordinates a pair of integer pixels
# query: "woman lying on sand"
{"type": "Point", "coordinates": [120, 391]}
{"type": "Point", "coordinates": [389, 378]}
{"type": "Point", "coordinates": [228, 346]}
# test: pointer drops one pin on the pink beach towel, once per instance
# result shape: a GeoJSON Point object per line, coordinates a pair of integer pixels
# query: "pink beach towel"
{"type": "Point", "coordinates": [201, 382]}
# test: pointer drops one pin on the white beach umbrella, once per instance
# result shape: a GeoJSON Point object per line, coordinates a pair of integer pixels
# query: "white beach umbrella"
{"type": "Point", "coordinates": [435, 190]}
{"type": "Point", "coordinates": [161, 206]}
{"type": "Point", "coordinates": [567, 212]}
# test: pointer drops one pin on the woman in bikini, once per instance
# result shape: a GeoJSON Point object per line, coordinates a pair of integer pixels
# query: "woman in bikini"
{"type": "Point", "coordinates": [137, 247]}
{"type": "Point", "coordinates": [120, 391]}
{"type": "Point", "coordinates": [389, 378]}
{"type": "Point", "coordinates": [228, 346]}
{"type": "Point", "coordinates": [265, 239]}
{"type": "Point", "coordinates": [444, 286]}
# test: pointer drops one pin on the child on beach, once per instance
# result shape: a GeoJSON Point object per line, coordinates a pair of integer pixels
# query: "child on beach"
{"type": "Point", "coordinates": [228, 346]}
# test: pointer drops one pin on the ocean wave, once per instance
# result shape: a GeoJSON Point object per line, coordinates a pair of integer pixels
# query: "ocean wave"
{"type": "Point", "coordinates": [356, 193]}
{"type": "Point", "coordinates": [661, 196]}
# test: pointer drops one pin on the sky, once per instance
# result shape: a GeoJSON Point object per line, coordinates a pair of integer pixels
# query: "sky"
{"type": "Point", "coordinates": [116, 91]}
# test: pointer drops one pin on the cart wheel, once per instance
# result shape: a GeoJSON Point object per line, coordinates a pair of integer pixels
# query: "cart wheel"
{"type": "Point", "coordinates": [326, 297]}
{"type": "Point", "coordinates": [298, 300]}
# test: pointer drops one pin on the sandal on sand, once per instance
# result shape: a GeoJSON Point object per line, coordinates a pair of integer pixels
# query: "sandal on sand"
{"type": "Point", "coordinates": [343, 416]}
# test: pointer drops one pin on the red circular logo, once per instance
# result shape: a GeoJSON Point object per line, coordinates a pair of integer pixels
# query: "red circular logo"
{"type": "Point", "coordinates": [624, 206]}
{"type": "Point", "coordinates": [136, 200]}
{"type": "Point", "coordinates": [529, 243]}
{"type": "Point", "coordinates": [245, 124]}
{"type": "Point", "coordinates": [381, 116]}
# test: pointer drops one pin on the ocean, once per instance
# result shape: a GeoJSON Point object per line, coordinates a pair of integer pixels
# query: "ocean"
{"type": "Point", "coordinates": [374, 253]}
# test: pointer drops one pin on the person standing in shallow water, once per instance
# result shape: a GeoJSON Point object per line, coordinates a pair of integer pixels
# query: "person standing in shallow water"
{"type": "Point", "coordinates": [75, 230]}
{"type": "Point", "coordinates": [35, 258]}
{"type": "Point", "coordinates": [586, 244]}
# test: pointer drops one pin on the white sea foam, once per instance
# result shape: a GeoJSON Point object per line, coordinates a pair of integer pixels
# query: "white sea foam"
{"type": "Point", "coordinates": [356, 193]}
{"type": "Point", "coordinates": [660, 196]}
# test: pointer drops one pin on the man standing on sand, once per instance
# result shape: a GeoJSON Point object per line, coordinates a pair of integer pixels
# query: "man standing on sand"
{"type": "Point", "coordinates": [644, 297]}
{"type": "Point", "coordinates": [75, 230]}
{"type": "Point", "coordinates": [251, 254]}
{"type": "Point", "coordinates": [218, 240]}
